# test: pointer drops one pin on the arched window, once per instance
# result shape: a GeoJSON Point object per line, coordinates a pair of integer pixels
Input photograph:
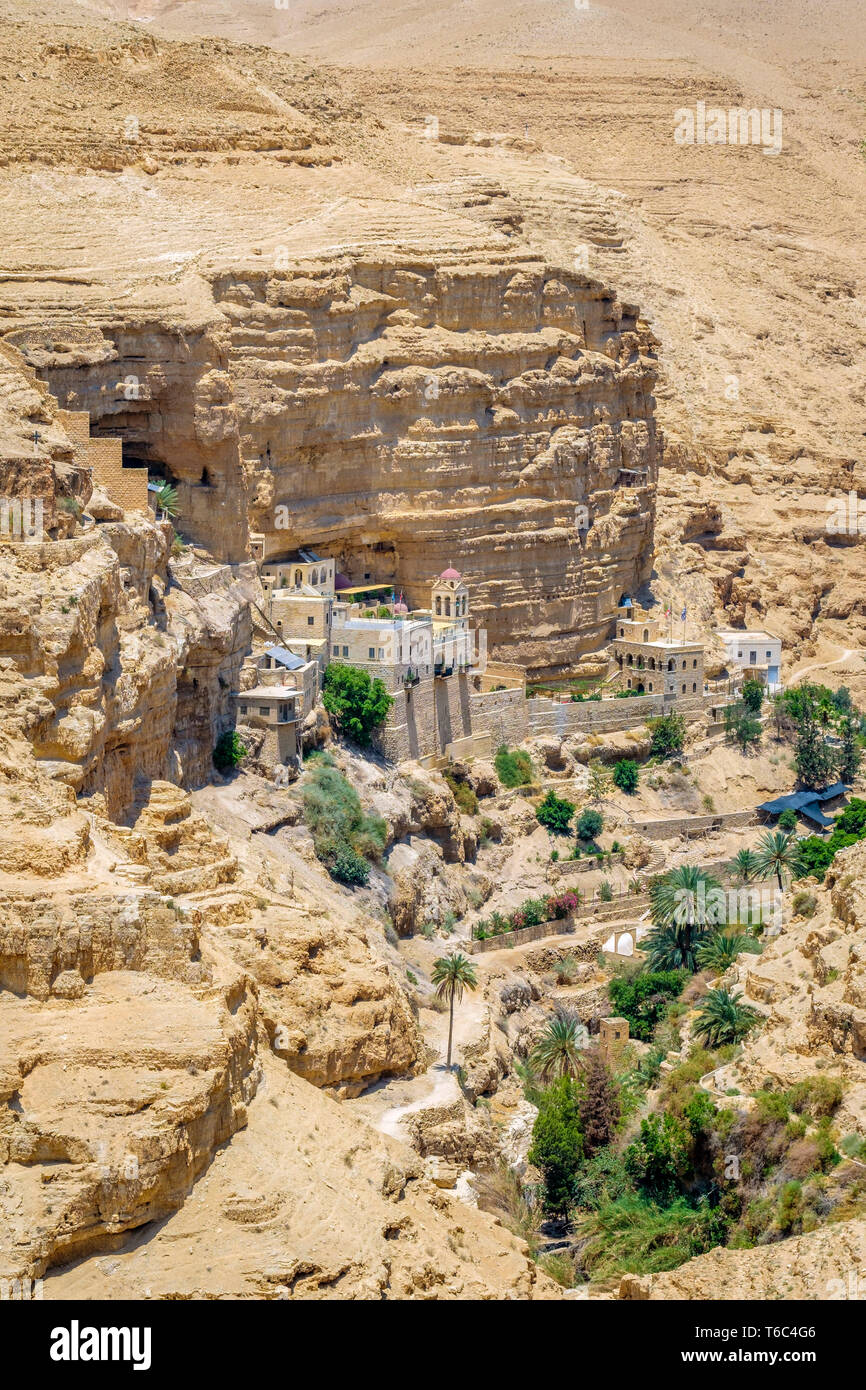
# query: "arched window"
{"type": "Point", "coordinates": [299, 578]}
{"type": "Point", "coordinates": [646, 634]}
{"type": "Point", "coordinates": [314, 578]}
{"type": "Point", "coordinates": [694, 686]}
{"type": "Point", "coordinates": [447, 607]}
{"type": "Point", "coordinates": [671, 665]}
{"type": "Point", "coordinates": [438, 603]}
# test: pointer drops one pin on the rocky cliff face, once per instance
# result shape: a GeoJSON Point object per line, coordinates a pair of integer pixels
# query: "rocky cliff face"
{"type": "Point", "coordinates": [401, 411]}
{"type": "Point", "coordinates": [322, 354]}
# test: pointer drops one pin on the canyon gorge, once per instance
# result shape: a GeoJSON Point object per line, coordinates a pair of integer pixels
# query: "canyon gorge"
{"type": "Point", "coordinates": [468, 309]}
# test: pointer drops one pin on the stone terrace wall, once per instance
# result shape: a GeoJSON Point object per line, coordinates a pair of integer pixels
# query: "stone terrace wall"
{"type": "Point", "coordinates": [611, 716]}
{"type": "Point", "coordinates": [522, 937]}
{"type": "Point", "coordinates": [692, 825]}
{"type": "Point", "coordinates": [501, 713]}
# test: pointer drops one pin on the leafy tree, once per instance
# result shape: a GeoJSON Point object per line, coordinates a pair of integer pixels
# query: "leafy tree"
{"type": "Point", "coordinates": [851, 821]}
{"type": "Point", "coordinates": [776, 853]}
{"type": "Point", "coordinates": [357, 704]}
{"type": "Point", "coordinates": [788, 821]}
{"type": "Point", "coordinates": [842, 699]}
{"type": "Point", "coordinates": [644, 999]}
{"type": "Point", "coordinates": [745, 866]}
{"type": "Point", "coordinates": [668, 735]}
{"type": "Point", "coordinates": [850, 754]}
{"type": "Point", "coordinates": [599, 1104]}
{"type": "Point", "coordinates": [557, 1142]}
{"type": "Point", "coordinates": [742, 727]}
{"type": "Point", "coordinates": [589, 824]}
{"type": "Point", "coordinates": [815, 758]}
{"type": "Point", "coordinates": [723, 1019]}
{"type": "Point", "coordinates": [229, 752]}
{"type": "Point", "coordinates": [599, 781]}
{"type": "Point", "coordinates": [602, 1179]}
{"type": "Point", "coordinates": [753, 694]}
{"type": "Point", "coordinates": [658, 1160]}
{"type": "Point", "coordinates": [783, 723]}
{"type": "Point", "coordinates": [559, 1050]}
{"type": "Point", "coordinates": [814, 858]}
{"type": "Point", "coordinates": [626, 774]}
{"type": "Point", "coordinates": [451, 975]}
{"type": "Point", "coordinates": [719, 950]}
{"type": "Point", "coordinates": [555, 814]}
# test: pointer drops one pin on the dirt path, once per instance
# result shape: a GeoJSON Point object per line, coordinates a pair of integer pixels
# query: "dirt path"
{"type": "Point", "coordinates": [386, 1106]}
{"type": "Point", "coordinates": [847, 653]}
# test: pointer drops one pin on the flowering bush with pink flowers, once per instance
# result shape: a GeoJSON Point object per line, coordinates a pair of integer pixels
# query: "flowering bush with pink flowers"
{"type": "Point", "coordinates": [531, 913]}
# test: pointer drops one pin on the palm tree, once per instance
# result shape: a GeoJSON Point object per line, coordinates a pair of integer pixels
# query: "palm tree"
{"type": "Point", "coordinates": [722, 1018]}
{"type": "Point", "coordinates": [674, 948]}
{"type": "Point", "coordinates": [745, 865]}
{"type": "Point", "coordinates": [166, 497]}
{"type": "Point", "coordinates": [720, 949]}
{"type": "Point", "coordinates": [451, 975]}
{"type": "Point", "coordinates": [681, 907]}
{"type": "Point", "coordinates": [776, 852]}
{"type": "Point", "coordinates": [558, 1050]}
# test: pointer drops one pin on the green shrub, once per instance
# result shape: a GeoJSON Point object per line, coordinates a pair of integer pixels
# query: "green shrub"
{"type": "Point", "coordinates": [804, 904]}
{"type": "Point", "coordinates": [555, 814]}
{"type": "Point", "coordinates": [632, 1235]}
{"type": "Point", "coordinates": [590, 823]}
{"type": "Point", "coordinates": [605, 891]}
{"type": "Point", "coordinates": [347, 866]}
{"type": "Point", "coordinates": [345, 839]}
{"type": "Point", "coordinates": [658, 1160]}
{"type": "Point", "coordinates": [645, 998]}
{"type": "Point", "coordinates": [817, 1096]}
{"type": "Point", "coordinates": [788, 820]}
{"type": "Point", "coordinates": [626, 774]}
{"type": "Point", "coordinates": [513, 769]}
{"type": "Point", "coordinates": [668, 734]}
{"type": "Point", "coordinates": [602, 1179]}
{"type": "Point", "coordinates": [356, 704]}
{"type": "Point", "coordinates": [463, 793]}
{"type": "Point", "coordinates": [557, 1142]}
{"type": "Point", "coordinates": [853, 1146]}
{"type": "Point", "coordinates": [229, 752]}
{"type": "Point", "coordinates": [815, 857]}
{"type": "Point", "coordinates": [753, 694]}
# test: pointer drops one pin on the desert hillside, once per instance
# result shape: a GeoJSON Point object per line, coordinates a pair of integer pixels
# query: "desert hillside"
{"type": "Point", "coordinates": [401, 430]}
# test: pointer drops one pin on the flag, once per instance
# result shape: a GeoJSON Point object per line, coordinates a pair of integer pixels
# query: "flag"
{"type": "Point", "coordinates": [683, 616]}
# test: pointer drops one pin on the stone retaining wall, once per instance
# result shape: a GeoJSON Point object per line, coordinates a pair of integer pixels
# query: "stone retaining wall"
{"type": "Point", "coordinates": [508, 939]}
{"type": "Point", "coordinates": [612, 716]}
{"type": "Point", "coordinates": [501, 713]}
{"type": "Point", "coordinates": [692, 825]}
{"type": "Point", "coordinates": [563, 868]}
